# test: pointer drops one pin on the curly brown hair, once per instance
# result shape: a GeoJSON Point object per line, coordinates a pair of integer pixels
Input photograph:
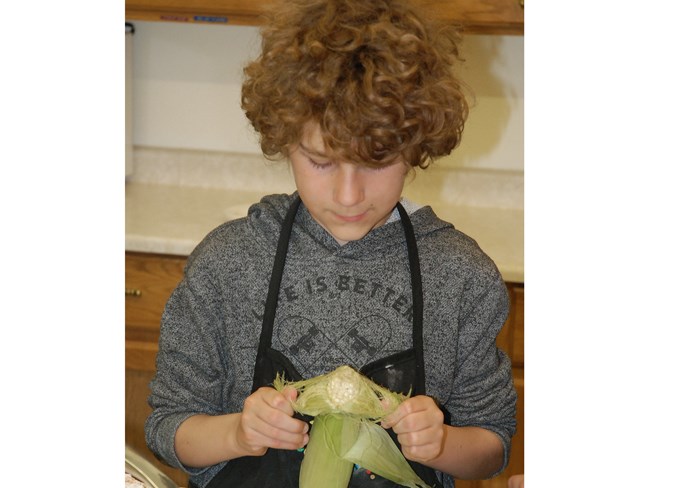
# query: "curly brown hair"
{"type": "Point", "coordinates": [374, 75]}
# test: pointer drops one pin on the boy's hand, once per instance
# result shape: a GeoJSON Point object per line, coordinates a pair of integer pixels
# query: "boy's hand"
{"type": "Point", "coordinates": [267, 421]}
{"type": "Point", "coordinates": [516, 481]}
{"type": "Point", "coordinates": [419, 425]}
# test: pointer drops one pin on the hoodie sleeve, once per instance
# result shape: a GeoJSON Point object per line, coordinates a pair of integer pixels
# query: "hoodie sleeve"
{"type": "Point", "coordinates": [189, 368]}
{"type": "Point", "coordinates": [483, 393]}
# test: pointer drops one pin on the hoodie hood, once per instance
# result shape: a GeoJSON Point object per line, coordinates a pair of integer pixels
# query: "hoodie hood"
{"type": "Point", "coordinates": [311, 240]}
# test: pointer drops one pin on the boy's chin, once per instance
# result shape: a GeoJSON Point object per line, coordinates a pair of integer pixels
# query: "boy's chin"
{"type": "Point", "coordinates": [343, 237]}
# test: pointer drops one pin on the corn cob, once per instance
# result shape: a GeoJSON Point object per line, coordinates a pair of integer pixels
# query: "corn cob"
{"type": "Point", "coordinates": [347, 406]}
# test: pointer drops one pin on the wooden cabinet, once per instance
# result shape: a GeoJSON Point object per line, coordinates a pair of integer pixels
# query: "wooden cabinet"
{"type": "Point", "coordinates": [150, 279]}
{"type": "Point", "coordinates": [477, 16]}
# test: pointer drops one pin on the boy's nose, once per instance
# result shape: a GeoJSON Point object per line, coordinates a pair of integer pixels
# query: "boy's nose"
{"type": "Point", "coordinates": [348, 189]}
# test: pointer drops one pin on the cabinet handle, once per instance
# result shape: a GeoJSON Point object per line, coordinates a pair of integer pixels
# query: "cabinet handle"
{"type": "Point", "coordinates": [132, 292]}
{"type": "Point", "coordinates": [522, 4]}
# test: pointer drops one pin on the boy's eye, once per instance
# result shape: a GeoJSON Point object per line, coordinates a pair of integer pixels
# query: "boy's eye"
{"type": "Point", "coordinates": [319, 164]}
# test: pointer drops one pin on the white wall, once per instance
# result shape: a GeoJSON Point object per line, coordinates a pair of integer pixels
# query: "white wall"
{"type": "Point", "coordinates": [187, 93]}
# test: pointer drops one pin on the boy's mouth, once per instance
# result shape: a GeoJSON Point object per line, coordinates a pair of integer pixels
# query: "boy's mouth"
{"type": "Point", "coordinates": [351, 218]}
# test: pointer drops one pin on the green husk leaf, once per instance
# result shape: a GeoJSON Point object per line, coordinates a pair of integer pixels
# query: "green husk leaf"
{"type": "Point", "coordinates": [322, 465]}
{"type": "Point", "coordinates": [376, 451]}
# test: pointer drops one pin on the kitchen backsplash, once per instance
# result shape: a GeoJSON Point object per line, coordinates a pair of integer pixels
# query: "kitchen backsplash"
{"type": "Point", "coordinates": [239, 171]}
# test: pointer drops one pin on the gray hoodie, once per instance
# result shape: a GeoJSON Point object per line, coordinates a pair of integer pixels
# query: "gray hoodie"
{"type": "Point", "coordinates": [338, 304]}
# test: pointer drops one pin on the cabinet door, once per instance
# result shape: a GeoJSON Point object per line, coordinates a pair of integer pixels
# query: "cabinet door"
{"type": "Point", "coordinates": [238, 12]}
{"type": "Point", "coordinates": [479, 16]}
{"type": "Point", "coordinates": [137, 410]}
{"type": "Point", "coordinates": [476, 16]}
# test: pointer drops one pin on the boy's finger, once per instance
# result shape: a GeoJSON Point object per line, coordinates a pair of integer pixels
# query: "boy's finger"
{"type": "Point", "coordinates": [290, 393]}
{"type": "Point", "coordinates": [392, 419]}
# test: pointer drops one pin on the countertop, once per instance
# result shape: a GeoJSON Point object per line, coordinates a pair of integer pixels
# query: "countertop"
{"type": "Point", "coordinates": [171, 219]}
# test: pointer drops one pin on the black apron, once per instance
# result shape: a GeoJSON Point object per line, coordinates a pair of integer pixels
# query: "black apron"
{"type": "Point", "coordinates": [400, 372]}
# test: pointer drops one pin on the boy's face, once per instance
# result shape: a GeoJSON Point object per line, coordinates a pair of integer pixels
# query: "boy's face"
{"type": "Point", "coordinates": [347, 199]}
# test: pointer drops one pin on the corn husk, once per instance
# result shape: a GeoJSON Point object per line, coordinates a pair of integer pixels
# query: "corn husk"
{"type": "Point", "coordinates": [347, 406]}
{"type": "Point", "coordinates": [323, 463]}
{"type": "Point", "coordinates": [376, 451]}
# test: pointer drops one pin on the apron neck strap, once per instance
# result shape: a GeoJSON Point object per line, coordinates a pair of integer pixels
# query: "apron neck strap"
{"type": "Point", "coordinates": [417, 299]}
{"type": "Point", "coordinates": [266, 338]}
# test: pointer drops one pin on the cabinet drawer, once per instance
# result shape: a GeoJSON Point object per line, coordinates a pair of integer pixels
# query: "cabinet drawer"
{"type": "Point", "coordinates": [149, 280]}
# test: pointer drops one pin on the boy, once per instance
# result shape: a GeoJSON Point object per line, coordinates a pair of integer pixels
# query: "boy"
{"type": "Point", "coordinates": [355, 94]}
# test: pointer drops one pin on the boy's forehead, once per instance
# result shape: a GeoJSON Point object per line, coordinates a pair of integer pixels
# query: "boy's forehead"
{"type": "Point", "coordinates": [312, 138]}
{"type": "Point", "coordinates": [312, 142]}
